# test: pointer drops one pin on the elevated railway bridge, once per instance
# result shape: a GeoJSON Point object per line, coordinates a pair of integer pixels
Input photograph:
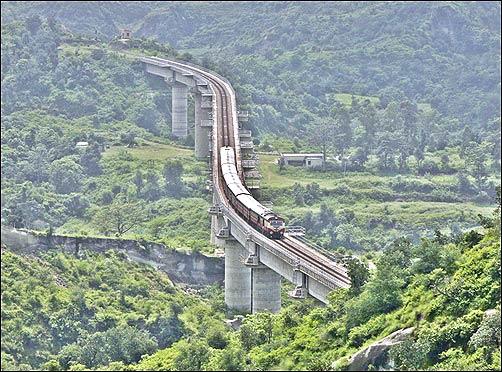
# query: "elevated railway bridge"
{"type": "Point", "coordinates": [254, 264]}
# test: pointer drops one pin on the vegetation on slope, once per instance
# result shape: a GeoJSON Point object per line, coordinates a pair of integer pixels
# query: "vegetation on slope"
{"type": "Point", "coordinates": [98, 312]}
{"type": "Point", "coordinates": [443, 287]}
{"type": "Point", "coordinates": [60, 311]}
{"type": "Point", "coordinates": [55, 95]}
{"type": "Point", "coordinates": [287, 58]}
{"type": "Point", "coordinates": [48, 182]}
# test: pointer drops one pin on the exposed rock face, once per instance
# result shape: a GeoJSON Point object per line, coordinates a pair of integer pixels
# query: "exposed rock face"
{"type": "Point", "coordinates": [377, 354]}
{"type": "Point", "coordinates": [189, 268]}
{"type": "Point", "coordinates": [235, 323]}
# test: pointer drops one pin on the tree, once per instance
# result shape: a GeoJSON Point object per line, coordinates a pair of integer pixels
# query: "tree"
{"type": "Point", "coordinates": [191, 355]}
{"type": "Point", "coordinates": [419, 151]}
{"type": "Point", "coordinates": [369, 120]}
{"type": "Point", "coordinates": [173, 170]}
{"type": "Point", "coordinates": [66, 175]}
{"type": "Point", "coordinates": [129, 139]}
{"type": "Point", "coordinates": [385, 150]}
{"type": "Point", "coordinates": [467, 138]}
{"type": "Point", "coordinates": [76, 204]}
{"type": "Point", "coordinates": [120, 216]}
{"type": "Point", "coordinates": [144, 114]}
{"type": "Point", "coordinates": [494, 138]}
{"type": "Point", "coordinates": [489, 332]}
{"type": "Point", "coordinates": [380, 295]}
{"type": "Point", "coordinates": [166, 329]}
{"type": "Point", "coordinates": [475, 161]}
{"type": "Point", "coordinates": [312, 193]}
{"type": "Point", "coordinates": [90, 160]}
{"type": "Point", "coordinates": [358, 273]}
{"type": "Point", "coordinates": [138, 182]}
{"type": "Point", "coordinates": [409, 131]}
{"type": "Point", "coordinates": [410, 355]}
{"type": "Point", "coordinates": [445, 162]}
{"type": "Point", "coordinates": [152, 189]}
{"type": "Point", "coordinates": [256, 330]}
{"type": "Point", "coordinates": [298, 193]}
{"type": "Point", "coordinates": [342, 132]}
{"type": "Point", "coordinates": [319, 135]}
{"type": "Point", "coordinates": [123, 343]}
{"type": "Point", "coordinates": [232, 358]}
{"type": "Point", "coordinates": [33, 23]}
{"type": "Point", "coordinates": [216, 337]}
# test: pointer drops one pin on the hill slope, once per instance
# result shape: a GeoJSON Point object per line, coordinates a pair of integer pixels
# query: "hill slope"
{"type": "Point", "coordinates": [289, 55]}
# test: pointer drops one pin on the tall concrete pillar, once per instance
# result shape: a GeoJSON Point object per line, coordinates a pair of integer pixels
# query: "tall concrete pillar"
{"type": "Point", "coordinates": [266, 290]}
{"type": "Point", "coordinates": [179, 110]}
{"type": "Point", "coordinates": [237, 277]}
{"type": "Point", "coordinates": [201, 133]}
{"type": "Point", "coordinates": [217, 223]}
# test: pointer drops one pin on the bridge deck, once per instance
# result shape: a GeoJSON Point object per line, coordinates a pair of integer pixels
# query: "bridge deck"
{"type": "Point", "coordinates": [297, 253]}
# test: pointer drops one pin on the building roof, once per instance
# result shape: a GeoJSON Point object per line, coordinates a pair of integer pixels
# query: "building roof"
{"type": "Point", "coordinates": [303, 155]}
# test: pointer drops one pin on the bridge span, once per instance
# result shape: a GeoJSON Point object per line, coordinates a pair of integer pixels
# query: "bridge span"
{"type": "Point", "coordinates": [254, 264]}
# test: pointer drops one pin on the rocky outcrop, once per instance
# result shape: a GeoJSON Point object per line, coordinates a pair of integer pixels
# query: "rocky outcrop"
{"type": "Point", "coordinates": [235, 323]}
{"type": "Point", "coordinates": [377, 353]}
{"type": "Point", "coordinates": [190, 268]}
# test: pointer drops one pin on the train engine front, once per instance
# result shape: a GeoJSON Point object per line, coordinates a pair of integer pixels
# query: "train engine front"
{"type": "Point", "coordinates": [274, 227]}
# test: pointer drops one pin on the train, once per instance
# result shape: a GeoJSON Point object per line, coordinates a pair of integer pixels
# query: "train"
{"type": "Point", "coordinates": [261, 218]}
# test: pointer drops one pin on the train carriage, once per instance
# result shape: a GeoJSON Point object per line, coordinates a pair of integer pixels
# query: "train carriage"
{"type": "Point", "coordinates": [260, 217]}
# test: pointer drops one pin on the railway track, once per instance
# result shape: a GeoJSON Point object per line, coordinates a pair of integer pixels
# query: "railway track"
{"type": "Point", "coordinates": [325, 266]}
{"type": "Point", "coordinates": [226, 138]}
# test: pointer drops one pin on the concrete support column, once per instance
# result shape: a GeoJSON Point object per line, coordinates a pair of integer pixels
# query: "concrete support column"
{"type": "Point", "coordinates": [266, 290]}
{"type": "Point", "coordinates": [201, 133]}
{"type": "Point", "coordinates": [237, 278]}
{"type": "Point", "coordinates": [215, 223]}
{"type": "Point", "coordinates": [179, 110]}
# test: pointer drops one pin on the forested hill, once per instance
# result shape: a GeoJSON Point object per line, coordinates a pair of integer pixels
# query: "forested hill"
{"type": "Point", "coordinates": [287, 57]}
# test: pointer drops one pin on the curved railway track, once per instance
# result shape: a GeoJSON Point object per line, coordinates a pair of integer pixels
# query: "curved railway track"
{"type": "Point", "coordinates": [286, 243]}
{"type": "Point", "coordinates": [226, 137]}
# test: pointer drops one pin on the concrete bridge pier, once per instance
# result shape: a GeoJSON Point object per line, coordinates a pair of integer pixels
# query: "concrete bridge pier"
{"type": "Point", "coordinates": [203, 123]}
{"type": "Point", "coordinates": [202, 119]}
{"type": "Point", "coordinates": [237, 277]}
{"type": "Point", "coordinates": [266, 290]}
{"type": "Point", "coordinates": [179, 110]}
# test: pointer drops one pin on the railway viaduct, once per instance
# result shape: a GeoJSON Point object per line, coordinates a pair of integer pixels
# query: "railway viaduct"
{"type": "Point", "coordinates": [254, 264]}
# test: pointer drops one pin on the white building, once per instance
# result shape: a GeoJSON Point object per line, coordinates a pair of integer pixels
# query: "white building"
{"type": "Point", "coordinates": [303, 160]}
{"type": "Point", "coordinates": [82, 145]}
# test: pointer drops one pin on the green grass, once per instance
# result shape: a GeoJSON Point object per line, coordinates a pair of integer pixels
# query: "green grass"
{"type": "Point", "coordinates": [272, 177]}
{"type": "Point", "coordinates": [381, 214]}
{"type": "Point", "coordinates": [152, 151]}
{"type": "Point", "coordinates": [346, 99]}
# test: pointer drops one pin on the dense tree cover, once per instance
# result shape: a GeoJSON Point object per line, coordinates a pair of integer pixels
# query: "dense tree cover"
{"type": "Point", "coordinates": [401, 157]}
{"type": "Point", "coordinates": [287, 58]}
{"type": "Point", "coordinates": [101, 312]}
{"type": "Point", "coordinates": [59, 90]}
{"type": "Point", "coordinates": [362, 211]}
{"type": "Point", "coordinates": [442, 286]}
{"type": "Point", "coordinates": [402, 138]}
{"type": "Point", "coordinates": [60, 310]}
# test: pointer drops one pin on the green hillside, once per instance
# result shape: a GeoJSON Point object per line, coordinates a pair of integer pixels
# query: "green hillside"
{"type": "Point", "coordinates": [446, 54]}
{"type": "Point", "coordinates": [78, 90]}
{"type": "Point", "coordinates": [404, 99]}
{"type": "Point", "coordinates": [99, 312]}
